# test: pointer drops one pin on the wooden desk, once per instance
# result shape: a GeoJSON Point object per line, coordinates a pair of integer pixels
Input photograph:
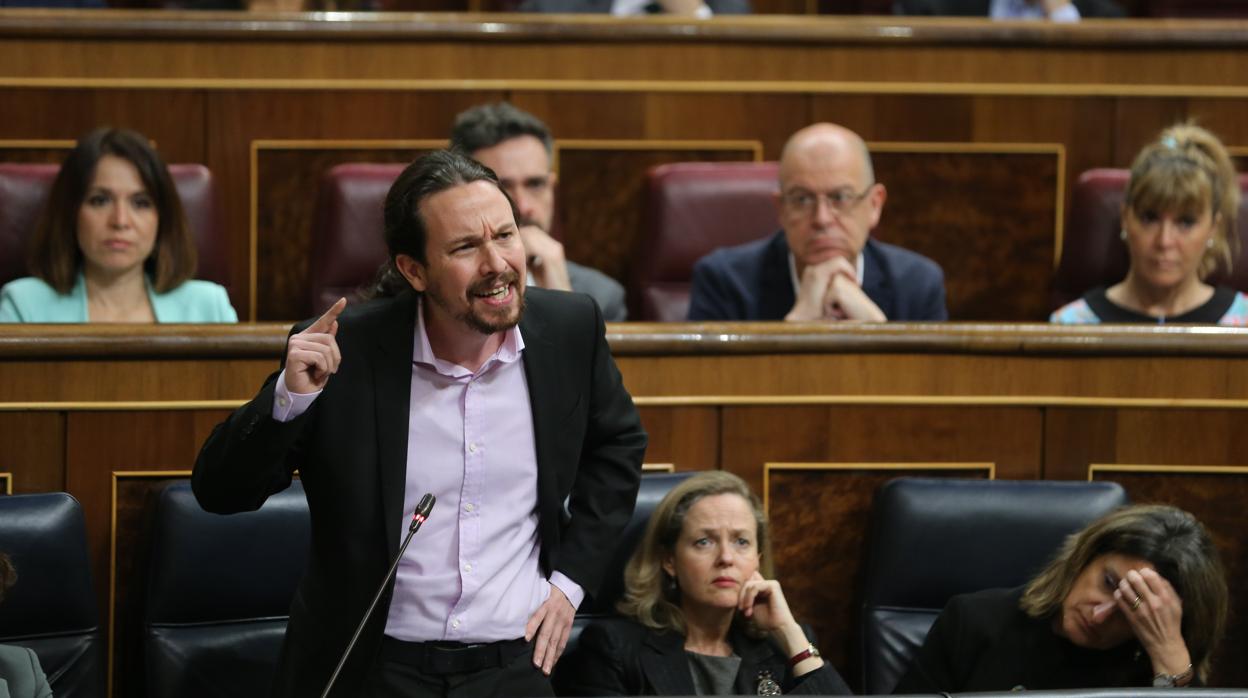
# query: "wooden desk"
{"type": "Point", "coordinates": [978, 128]}
{"type": "Point", "coordinates": [814, 417]}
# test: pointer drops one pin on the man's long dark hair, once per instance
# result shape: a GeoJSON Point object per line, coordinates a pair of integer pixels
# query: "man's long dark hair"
{"type": "Point", "coordinates": [405, 229]}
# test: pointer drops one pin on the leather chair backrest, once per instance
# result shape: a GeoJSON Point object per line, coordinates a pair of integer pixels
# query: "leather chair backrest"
{"type": "Point", "coordinates": [52, 609]}
{"type": "Point", "coordinates": [654, 487]}
{"type": "Point", "coordinates": [931, 539]}
{"type": "Point", "coordinates": [1093, 253]}
{"type": "Point", "coordinates": [347, 234]}
{"type": "Point", "coordinates": [24, 190]}
{"type": "Point", "coordinates": [219, 593]}
{"type": "Point", "coordinates": [693, 208]}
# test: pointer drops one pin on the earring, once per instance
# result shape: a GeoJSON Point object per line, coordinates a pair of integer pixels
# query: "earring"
{"type": "Point", "coordinates": [1122, 233]}
{"type": "Point", "coordinates": [1209, 244]}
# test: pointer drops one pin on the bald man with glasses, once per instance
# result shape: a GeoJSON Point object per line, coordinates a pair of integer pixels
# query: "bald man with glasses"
{"type": "Point", "coordinates": [823, 265]}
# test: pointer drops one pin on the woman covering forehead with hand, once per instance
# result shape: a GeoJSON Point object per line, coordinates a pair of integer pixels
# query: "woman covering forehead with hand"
{"type": "Point", "coordinates": [1138, 598]}
{"type": "Point", "coordinates": [701, 614]}
{"type": "Point", "coordinates": [1178, 223]}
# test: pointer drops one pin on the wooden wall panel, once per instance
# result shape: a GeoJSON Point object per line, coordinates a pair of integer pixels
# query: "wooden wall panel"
{"type": "Point", "coordinates": [686, 437]}
{"type": "Point", "coordinates": [1075, 438]}
{"type": "Point", "coordinates": [129, 380]}
{"type": "Point", "coordinates": [601, 197]}
{"type": "Point", "coordinates": [819, 521]}
{"type": "Point", "coordinates": [99, 443]}
{"type": "Point", "coordinates": [1010, 437]}
{"type": "Point", "coordinates": [288, 179]}
{"type": "Point", "coordinates": [173, 119]}
{"type": "Point", "coordinates": [133, 515]}
{"type": "Point", "coordinates": [241, 117]}
{"type": "Point", "coordinates": [33, 452]}
{"type": "Point", "coordinates": [990, 212]}
{"type": "Point", "coordinates": [1215, 497]}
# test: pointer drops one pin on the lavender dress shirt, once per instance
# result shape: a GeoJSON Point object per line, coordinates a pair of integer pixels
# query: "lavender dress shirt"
{"type": "Point", "coordinates": [474, 573]}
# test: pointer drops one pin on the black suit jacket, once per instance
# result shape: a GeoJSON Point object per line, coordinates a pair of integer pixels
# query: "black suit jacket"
{"type": "Point", "coordinates": [620, 657]}
{"type": "Point", "coordinates": [719, 7]}
{"type": "Point", "coordinates": [350, 448]}
{"type": "Point", "coordinates": [981, 8]}
{"type": "Point", "coordinates": [753, 282]}
{"type": "Point", "coordinates": [983, 641]}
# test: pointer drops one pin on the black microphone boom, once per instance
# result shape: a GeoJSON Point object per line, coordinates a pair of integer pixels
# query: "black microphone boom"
{"type": "Point", "coordinates": [418, 518]}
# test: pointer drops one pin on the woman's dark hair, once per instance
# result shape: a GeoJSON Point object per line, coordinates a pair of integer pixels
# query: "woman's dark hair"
{"type": "Point", "coordinates": [1176, 544]}
{"type": "Point", "coordinates": [54, 255]}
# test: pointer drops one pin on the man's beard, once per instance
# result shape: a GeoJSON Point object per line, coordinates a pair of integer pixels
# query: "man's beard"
{"type": "Point", "coordinates": [480, 321]}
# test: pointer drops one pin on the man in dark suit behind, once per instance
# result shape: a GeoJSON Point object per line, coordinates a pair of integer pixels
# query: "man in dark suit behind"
{"type": "Point", "coordinates": [503, 402]}
{"type": "Point", "coordinates": [1057, 10]}
{"type": "Point", "coordinates": [823, 264]}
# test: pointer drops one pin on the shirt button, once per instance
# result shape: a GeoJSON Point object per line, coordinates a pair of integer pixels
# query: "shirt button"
{"type": "Point", "coordinates": [469, 507]}
{"type": "Point", "coordinates": [468, 567]}
{"type": "Point", "coordinates": [472, 448]}
{"type": "Point", "coordinates": [455, 623]}
{"type": "Point", "coordinates": [283, 401]}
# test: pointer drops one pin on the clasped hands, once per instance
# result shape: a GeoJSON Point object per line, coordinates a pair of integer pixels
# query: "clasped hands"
{"type": "Point", "coordinates": [829, 291]}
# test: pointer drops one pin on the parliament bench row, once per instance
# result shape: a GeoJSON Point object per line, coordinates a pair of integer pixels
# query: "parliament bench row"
{"type": "Point", "coordinates": [218, 587]}
{"type": "Point", "coordinates": [691, 209]}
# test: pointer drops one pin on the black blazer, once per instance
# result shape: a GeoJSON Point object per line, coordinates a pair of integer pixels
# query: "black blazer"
{"type": "Point", "coordinates": [620, 657]}
{"type": "Point", "coordinates": [981, 8]}
{"type": "Point", "coordinates": [983, 641]}
{"type": "Point", "coordinates": [753, 282]}
{"type": "Point", "coordinates": [350, 449]}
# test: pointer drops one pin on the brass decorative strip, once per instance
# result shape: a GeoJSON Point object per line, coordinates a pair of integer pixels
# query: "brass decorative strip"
{"type": "Point", "coordinates": [721, 401]}
{"type": "Point", "coordinates": [1094, 468]}
{"type": "Point", "coordinates": [658, 467]}
{"type": "Point", "coordinates": [7, 478]}
{"type": "Point", "coordinates": [821, 87]}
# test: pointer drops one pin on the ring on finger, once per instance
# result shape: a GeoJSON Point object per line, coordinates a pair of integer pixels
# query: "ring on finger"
{"type": "Point", "coordinates": [1136, 602]}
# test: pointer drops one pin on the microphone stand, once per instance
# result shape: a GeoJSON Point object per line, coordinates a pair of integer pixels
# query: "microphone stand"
{"type": "Point", "coordinates": [418, 518]}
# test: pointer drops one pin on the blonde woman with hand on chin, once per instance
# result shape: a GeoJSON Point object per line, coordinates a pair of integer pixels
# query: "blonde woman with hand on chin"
{"type": "Point", "coordinates": [701, 615]}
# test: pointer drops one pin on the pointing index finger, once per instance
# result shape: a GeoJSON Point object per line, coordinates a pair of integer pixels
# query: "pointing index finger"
{"type": "Point", "coordinates": [326, 322]}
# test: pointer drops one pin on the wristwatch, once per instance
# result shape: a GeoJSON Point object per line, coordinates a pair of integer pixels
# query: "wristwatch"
{"type": "Point", "coordinates": [1172, 680]}
{"type": "Point", "coordinates": [810, 651]}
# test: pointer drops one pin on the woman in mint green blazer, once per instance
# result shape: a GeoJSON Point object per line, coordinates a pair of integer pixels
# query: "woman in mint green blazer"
{"type": "Point", "coordinates": [113, 244]}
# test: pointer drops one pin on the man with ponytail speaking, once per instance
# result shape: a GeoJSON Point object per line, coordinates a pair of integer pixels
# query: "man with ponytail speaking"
{"type": "Point", "coordinates": [502, 401]}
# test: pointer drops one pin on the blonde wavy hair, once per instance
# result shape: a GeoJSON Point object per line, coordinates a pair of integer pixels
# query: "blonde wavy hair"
{"type": "Point", "coordinates": [651, 596]}
{"type": "Point", "coordinates": [1176, 544]}
{"type": "Point", "coordinates": [1188, 171]}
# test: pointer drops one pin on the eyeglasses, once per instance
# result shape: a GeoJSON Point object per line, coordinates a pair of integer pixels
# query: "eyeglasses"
{"type": "Point", "coordinates": [841, 200]}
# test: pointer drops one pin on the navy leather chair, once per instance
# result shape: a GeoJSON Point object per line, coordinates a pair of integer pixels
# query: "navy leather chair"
{"type": "Point", "coordinates": [933, 538]}
{"type": "Point", "coordinates": [219, 594]}
{"type": "Point", "coordinates": [602, 605]}
{"type": "Point", "coordinates": [52, 609]}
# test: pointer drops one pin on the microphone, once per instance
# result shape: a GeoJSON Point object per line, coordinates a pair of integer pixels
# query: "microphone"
{"type": "Point", "coordinates": [418, 517]}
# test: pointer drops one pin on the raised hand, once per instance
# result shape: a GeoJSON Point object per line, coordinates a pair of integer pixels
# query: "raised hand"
{"type": "Point", "coordinates": [312, 356]}
{"type": "Point", "coordinates": [547, 263]}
